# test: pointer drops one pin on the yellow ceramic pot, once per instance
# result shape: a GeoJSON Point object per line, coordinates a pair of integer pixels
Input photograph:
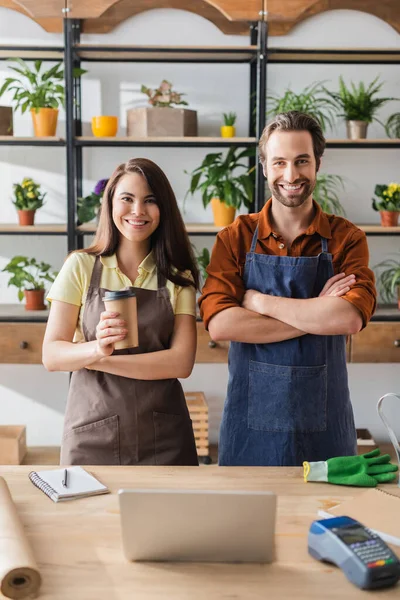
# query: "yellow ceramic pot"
{"type": "Point", "coordinates": [228, 131]}
{"type": "Point", "coordinates": [104, 126]}
{"type": "Point", "coordinates": [223, 215]}
{"type": "Point", "coordinates": [44, 121]}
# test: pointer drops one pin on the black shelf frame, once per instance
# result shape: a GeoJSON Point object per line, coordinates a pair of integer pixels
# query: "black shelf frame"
{"type": "Point", "coordinates": [257, 92]}
{"type": "Point", "coordinates": [335, 56]}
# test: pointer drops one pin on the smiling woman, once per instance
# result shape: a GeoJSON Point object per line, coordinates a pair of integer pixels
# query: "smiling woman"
{"type": "Point", "coordinates": [133, 410]}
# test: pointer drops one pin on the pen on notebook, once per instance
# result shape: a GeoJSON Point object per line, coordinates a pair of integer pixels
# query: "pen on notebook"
{"type": "Point", "coordinates": [65, 480]}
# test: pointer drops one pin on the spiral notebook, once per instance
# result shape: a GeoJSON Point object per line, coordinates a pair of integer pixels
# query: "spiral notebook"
{"type": "Point", "coordinates": [378, 509]}
{"type": "Point", "coordinates": [80, 483]}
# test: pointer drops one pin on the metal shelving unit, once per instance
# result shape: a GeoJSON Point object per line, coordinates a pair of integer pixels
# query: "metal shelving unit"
{"type": "Point", "coordinates": [76, 53]}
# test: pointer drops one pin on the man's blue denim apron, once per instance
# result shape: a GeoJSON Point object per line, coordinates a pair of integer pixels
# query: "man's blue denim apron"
{"type": "Point", "coordinates": [287, 401]}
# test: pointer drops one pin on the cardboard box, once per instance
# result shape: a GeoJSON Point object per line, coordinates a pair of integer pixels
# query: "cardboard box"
{"type": "Point", "coordinates": [161, 122]}
{"type": "Point", "coordinates": [6, 120]}
{"type": "Point", "coordinates": [12, 444]}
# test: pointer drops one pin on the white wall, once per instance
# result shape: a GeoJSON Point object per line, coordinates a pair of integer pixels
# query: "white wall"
{"type": "Point", "coordinates": [31, 395]}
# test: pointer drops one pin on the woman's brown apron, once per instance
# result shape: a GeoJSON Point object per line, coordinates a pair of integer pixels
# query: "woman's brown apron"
{"type": "Point", "coordinates": [114, 420]}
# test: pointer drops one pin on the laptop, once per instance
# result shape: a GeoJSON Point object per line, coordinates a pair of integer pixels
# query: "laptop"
{"type": "Point", "coordinates": [197, 525]}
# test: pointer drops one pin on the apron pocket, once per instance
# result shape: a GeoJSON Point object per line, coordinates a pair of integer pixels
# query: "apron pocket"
{"type": "Point", "coordinates": [287, 399]}
{"type": "Point", "coordinates": [174, 440]}
{"type": "Point", "coordinates": [96, 443]}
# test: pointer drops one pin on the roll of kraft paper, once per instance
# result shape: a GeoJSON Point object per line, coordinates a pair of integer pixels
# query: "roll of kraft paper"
{"type": "Point", "coordinates": [19, 574]}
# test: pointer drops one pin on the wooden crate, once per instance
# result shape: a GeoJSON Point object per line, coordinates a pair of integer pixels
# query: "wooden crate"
{"type": "Point", "coordinates": [198, 411]}
{"type": "Point", "coordinates": [365, 441]}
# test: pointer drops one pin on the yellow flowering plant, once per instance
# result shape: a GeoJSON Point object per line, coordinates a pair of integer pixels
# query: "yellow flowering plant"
{"type": "Point", "coordinates": [389, 197]}
{"type": "Point", "coordinates": [27, 195]}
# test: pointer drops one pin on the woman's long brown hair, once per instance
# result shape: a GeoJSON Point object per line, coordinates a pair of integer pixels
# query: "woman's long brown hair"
{"type": "Point", "coordinates": [169, 242]}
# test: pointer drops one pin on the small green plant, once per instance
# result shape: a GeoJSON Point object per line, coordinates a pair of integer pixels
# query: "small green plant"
{"type": "Point", "coordinates": [203, 260]}
{"type": "Point", "coordinates": [34, 88]}
{"type": "Point", "coordinates": [313, 100]}
{"type": "Point", "coordinates": [28, 274]}
{"type": "Point", "coordinates": [388, 279]}
{"type": "Point", "coordinates": [163, 96]}
{"type": "Point", "coordinates": [389, 197]}
{"type": "Point", "coordinates": [88, 207]}
{"type": "Point", "coordinates": [27, 195]}
{"type": "Point", "coordinates": [229, 119]}
{"type": "Point", "coordinates": [326, 193]}
{"type": "Point", "coordinates": [358, 102]}
{"type": "Point", "coordinates": [216, 178]}
{"type": "Point", "coordinates": [392, 126]}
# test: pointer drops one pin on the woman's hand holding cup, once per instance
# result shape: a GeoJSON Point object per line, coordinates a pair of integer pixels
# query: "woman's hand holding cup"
{"type": "Point", "coordinates": [109, 331]}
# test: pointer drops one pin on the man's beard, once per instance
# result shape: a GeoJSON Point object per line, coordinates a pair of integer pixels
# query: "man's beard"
{"type": "Point", "coordinates": [295, 199]}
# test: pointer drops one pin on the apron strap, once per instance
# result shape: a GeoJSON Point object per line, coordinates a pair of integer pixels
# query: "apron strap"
{"type": "Point", "coordinates": [254, 240]}
{"type": "Point", "coordinates": [324, 244]}
{"type": "Point", "coordinates": [96, 273]}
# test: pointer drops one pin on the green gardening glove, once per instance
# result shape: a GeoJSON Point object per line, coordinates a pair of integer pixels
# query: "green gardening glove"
{"type": "Point", "coordinates": [366, 470]}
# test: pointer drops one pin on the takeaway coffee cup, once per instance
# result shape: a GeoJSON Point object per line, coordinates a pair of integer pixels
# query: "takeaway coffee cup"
{"type": "Point", "coordinates": [124, 303]}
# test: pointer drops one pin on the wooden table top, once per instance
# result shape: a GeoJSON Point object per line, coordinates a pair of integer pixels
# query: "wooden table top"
{"type": "Point", "coordinates": [78, 544]}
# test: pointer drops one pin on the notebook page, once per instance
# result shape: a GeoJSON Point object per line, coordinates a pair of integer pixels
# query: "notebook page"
{"type": "Point", "coordinates": [79, 481]}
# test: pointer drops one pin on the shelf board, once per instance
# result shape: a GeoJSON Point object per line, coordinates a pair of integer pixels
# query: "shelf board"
{"type": "Point", "coordinates": [11, 140]}
{"type": "Point", "coordinates": [204, 54]}
{"type": "Point", "coordinates": [55, 53]}
{"type": "Point", "coordinates": [386, 312]}
{"type": "Point", "coordinates": [166, 142]}
{"type": "Point", "coordinates": [210, 229]}
{"type": "Point", "coordinates": [365, 143]}
{"type": "Point", "coordinates": [334, 55]}
{"type": "Point", "coordinates": [379, 230]}
{"type": "Point", "coordinates": [192, 228]}
{"type": "Point", "coordinates": [18, 313]}
{"type": "Point", "coordinates": [39, 229]}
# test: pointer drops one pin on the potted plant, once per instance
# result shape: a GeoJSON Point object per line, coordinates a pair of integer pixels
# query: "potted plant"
{"type": "Point", "coordinates": [313, 100]}
{"type": "Point", "coordinates": [326, 193]}
{"type": "Point", "coordinates": [389, 203]}
{"type": "Point", "coordinates": [30, 278]}
{"type": "Point", "coordinates": [41, 92]}
{"type": "Point", "coordinates": [228, 129]}
{"type": "Point", "coordinates": [28, 199]}
{"type": "Point", "coordinates": [217, 180]}
{"type": "Point", "coordinates": [358, 105]}
{"type": "Point", "coordinates": [89, 207]}
{"type": "Point", "coordinates": [388, 280]}
{"type": "Point", "coordinates": [392, 126]}
{"type": "Point", "coordinates": [162, 118]}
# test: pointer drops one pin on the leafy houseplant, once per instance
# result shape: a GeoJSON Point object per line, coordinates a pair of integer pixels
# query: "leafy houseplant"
{"type": "Point", "coordinates": [228, 128]}
{"type": "Point", "coordinates": [89, 207]}
{"type": "Point", "coordinates": [162, 118]}
{"type": "Point", "coordinates": [219, 184]}
{"type": "Point", "coordinates": [28, 199]}
{"type": "Point", "coordinates": [392, 126]}
{"type": "Point", "coordinates": [389, 203]}
{"type": "Point", "coordinates": [358, 105]}
{"type": "Point", "coordinates": [388, 280]}
{"type": "Point", "coordinates": [30, 278]}
{"type": "Point", "coordinates": [203, 260]}
{"type": "Point", "coordinates": [313, 100]}
{"type": "Point", "coordinates": [163, 95]}
{"type": "Point", "coordinates": [42, 92]}
{"type": "Point", "coordinates": [326, 193]}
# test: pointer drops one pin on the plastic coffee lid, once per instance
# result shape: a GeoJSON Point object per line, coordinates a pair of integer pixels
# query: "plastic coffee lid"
{"type": "Point", "coordinates": [120, 295]}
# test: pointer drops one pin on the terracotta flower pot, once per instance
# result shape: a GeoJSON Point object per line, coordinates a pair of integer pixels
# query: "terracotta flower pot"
{"type": "Point", "coordinates": [26, 217]}
{"type": "Point", "coordinates": [223, 215]}
{"type": "Point", "coordinates": [34, 300]}
{"type": "Point", "coordinates": [389, 218]}
{"type": "Point", "coordinates": [44, 121]}
{"type": "Point", "coordinates": [228, 131]}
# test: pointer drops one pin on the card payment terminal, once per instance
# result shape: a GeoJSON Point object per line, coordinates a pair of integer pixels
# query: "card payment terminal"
{"type": "Point", "coordinates": [362, 555]}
